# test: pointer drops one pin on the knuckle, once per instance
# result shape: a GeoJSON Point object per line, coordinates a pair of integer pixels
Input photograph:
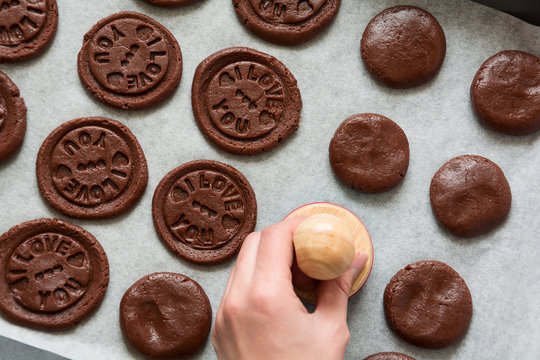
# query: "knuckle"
{"type": "Point", "coordinates": [219, 319]}
{"type": "Point", "coordinates": [232, 308]}
{"type": "Point", "coordinates": [262, 300]}
{"type": "Point", "coordinates": [340, 332]}
{"type": "Point", "coordinates": [344, 286]}
{"type": "Point", "coordinates": [346, 335]}
{"type": "Point", "coordinates": [343, 334]}
{"type": "Point", "coordinates": [251, 237]}
{"type": "Point", "coordinates": [268, 232]}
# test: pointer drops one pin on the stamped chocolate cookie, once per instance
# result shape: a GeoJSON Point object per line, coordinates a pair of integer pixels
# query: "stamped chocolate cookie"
{"type": "Point", "coordinates": [52, 274]}
{"type": "Point", "coordinates": [12, 117]}
{"type": "Point", "coordinates": [171, 3]}
{"type": "Point", "coordinates": [389, 356]}
{"type": "Point", "coordinates": [403, 46]}
{"type": "Point", "coordinates": [203, 210]}
{"type": "Point", "coordinates": [165, 315]}
{"type": "Point", "coordinates": [286, 22]}
{"type": "Point", "coordinates": [130, 61]}
{"type": "Point", "coordinates": [370, 153]}
{"type": "Point", "coordinates": [470, 195]}
{"type": "Point", "coordinates": [428, 304]}
{"type": "Point", "coordinates": [91, 168]}
{"type": "Point", "coordinates": [27, 27]}
{"type": "Point", "coordinates": [505, 93]}
{"type": "Point", "coordinates": [245, 101]}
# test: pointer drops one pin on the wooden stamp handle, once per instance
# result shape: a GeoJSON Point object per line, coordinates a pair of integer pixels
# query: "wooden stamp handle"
{"type": "Point", "coordinates": [324, 246]}
{"type": "Point", "coordinates": [361, 240]}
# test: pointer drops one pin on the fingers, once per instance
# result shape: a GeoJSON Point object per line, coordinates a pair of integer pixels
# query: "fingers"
{"type": "Point", "coordinates": [242, 273]}
{"type": "Point", "coordinates": [275, 254]}
{"type": "Point", "coordinates": [333, 295]}
{"type": "Point", "coordinates": [238, 282]}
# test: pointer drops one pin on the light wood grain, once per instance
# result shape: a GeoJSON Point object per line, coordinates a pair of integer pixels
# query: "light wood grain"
{"type": "Point", "coordinates": [361, 239]}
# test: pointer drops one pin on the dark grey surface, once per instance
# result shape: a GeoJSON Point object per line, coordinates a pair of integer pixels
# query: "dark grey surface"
{"type": "Point", "coordinates": [14, 350]}
{"type": "Point", "coordinates": [528, 10]}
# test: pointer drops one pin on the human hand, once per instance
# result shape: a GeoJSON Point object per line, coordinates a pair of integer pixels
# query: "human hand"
{"type": "Point", "coordinates": [260, 316]}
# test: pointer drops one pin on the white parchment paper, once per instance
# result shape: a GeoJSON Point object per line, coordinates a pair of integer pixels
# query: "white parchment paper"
{"type": "Point", "coordinates": [500, 268]}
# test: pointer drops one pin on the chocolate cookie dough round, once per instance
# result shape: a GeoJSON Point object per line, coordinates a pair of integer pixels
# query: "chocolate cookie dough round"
{"type": "Point", "coordinates": [12, 117]}
{"type": "Point", "coordinates": [505, 93]}
{"type": "Point", "coordinates": [245, 101]}
{"type": "Point", "coordinates": [203, 210]}
{"type": "Point", "coordinates": [91, 168]}
{"type": "Point", "coordinates": [27, 28]}
{"type": "Point", "coordinates": [165, 315]}
{"type": "Point", "coordinates": [171, 3]}
{"type": "Point", "coordinates": [403, 46]}
{"type": "Point", "coordinates": [52, 274]}
{"type": "Point", "coordinates": [286, 22]}
{"type": "Point", "coordinates": [428, 304]}
{"type": "Point", "coordinates": [470, 195]}
{"type": "Point", "coordinates": [130, 61]}
{"type": "Point", "coordinates": [370, 153]}
{"type": "Point", "coordinates": [389, 356]}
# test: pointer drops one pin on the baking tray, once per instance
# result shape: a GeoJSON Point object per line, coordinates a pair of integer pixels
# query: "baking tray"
{"type": "Point", "coordinates": [500, 268]}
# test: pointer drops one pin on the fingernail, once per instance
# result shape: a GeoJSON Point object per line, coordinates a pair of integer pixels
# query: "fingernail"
{"type": "Point", "coordinates": [359, 262]}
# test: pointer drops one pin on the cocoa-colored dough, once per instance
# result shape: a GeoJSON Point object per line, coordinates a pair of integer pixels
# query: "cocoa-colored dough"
{"type": "Point", "coordinates": [203, 210]}
{"type": "Point", "coordinates": [12, 117]}
{"type": "Point", "coordinates": [403, 46]}
{"type": "Point", "coordinates": [470, 195]}
{"type": "Point", "coordinates": [370, 153]}
{"type": "Point", "coordinates": [130, 61]}
{"type": "Point", "coordinates": [91, 168]}
{"type": "Point", "coordinates": [28, 27]}
{"type": "Point", "coordinates": [286, 22]}
{"type": "Point", "coordinates": [52, 274]}
{"type": "Point", "coordinates": [165, 315]}
{"type": "Point", "coordinates": [171, 3]}
{"type": "Point", "coordinates": [505, 93]}
{"type": "Point", "coordinates": [389, 356]}
{"type": "Point", "coordinates": [245, 101]}
{"type": "Point", "coordinates": [428, 304]}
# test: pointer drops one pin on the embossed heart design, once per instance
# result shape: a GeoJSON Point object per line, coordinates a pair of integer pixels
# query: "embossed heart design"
{"type": "Point", "coordinates": [229, 223]}
{"type": "Point", "coordinates": [304, 7]}
{"type": "Point", "coordinates": [225, 79]}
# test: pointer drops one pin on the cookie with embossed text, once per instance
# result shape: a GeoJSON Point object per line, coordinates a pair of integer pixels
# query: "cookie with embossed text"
{"type": "Point", "coordinates": [12, 117]}
{"type": "Point", "coordinates": [27, 27]}
{"type": "Point", "coordinates": [130, 61]}
{"type": "Point", "coordinates": [52, 274]}
{"type": "Point", "coordinates": [91, 168]}
{"type": "Point", "coordinates": [203, 210]}
{"type": "Point", "coordinates": [286, 22]}
{"type": "Point", "coordinates": [245, 101]}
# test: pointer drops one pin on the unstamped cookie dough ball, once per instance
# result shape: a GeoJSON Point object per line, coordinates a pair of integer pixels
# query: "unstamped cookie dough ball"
{"type": "Point", "coordinates": [403, 46]}
{"type": "Point", "coordinates": [370, 153]}
{"type": "Point", "coordinates": [505, 93]}
{"type": "Point", "coordinates": [165, 315]}
{"type": "Point", "coordinates": [470, 195]}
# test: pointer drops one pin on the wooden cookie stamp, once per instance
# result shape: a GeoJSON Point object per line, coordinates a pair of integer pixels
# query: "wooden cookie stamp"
{"type": "Point", "coordinates": [325, 244]}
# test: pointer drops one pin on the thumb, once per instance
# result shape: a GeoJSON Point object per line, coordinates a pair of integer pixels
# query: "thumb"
{"type": "Point", "coordinates": [333, 295]}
